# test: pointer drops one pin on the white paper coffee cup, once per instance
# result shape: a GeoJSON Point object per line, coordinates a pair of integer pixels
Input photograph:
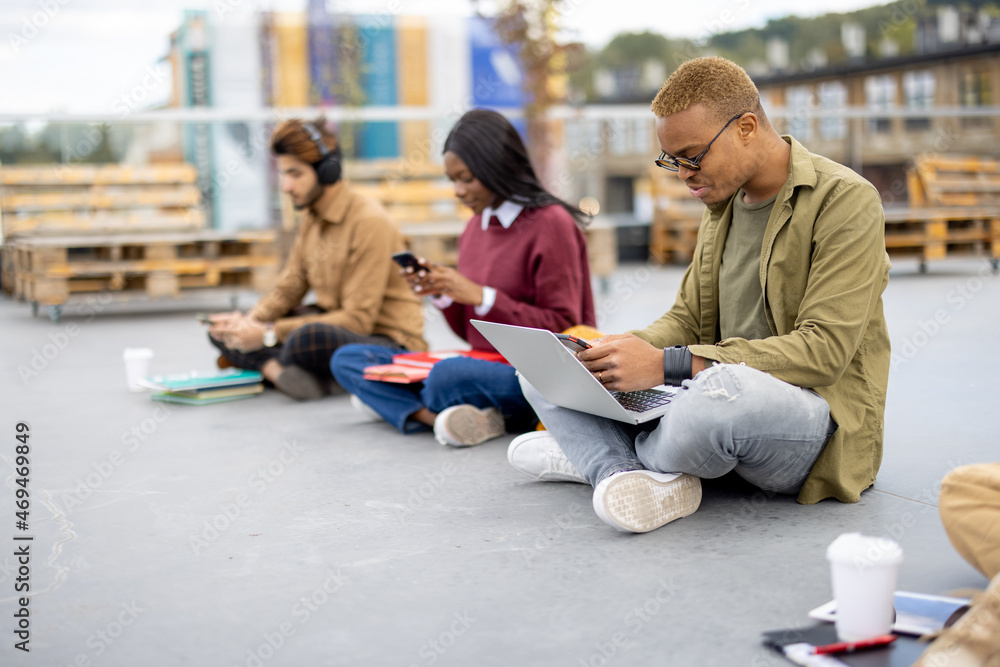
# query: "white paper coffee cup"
{"type": "Point", "coordinates": [137, 361]}
{"type": "Point", "coordinates": [863, 571]}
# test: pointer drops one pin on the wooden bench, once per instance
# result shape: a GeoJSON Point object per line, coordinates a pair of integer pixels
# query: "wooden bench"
{"type": "Point", "coordinates": [954, 210]}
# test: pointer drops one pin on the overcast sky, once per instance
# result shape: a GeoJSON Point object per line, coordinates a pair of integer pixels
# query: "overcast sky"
{"type": "Point", "coordinates": [83, 55]}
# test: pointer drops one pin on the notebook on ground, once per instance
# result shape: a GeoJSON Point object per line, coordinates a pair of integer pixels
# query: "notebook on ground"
{"type": "Point", "coordinates": [558, 375]}
{"type": "Point", "coordinates": [201, 380]}
{"type": "Point", "coordinates": [796, 645]}
{"type": "Point", "coordinates": [916, 613]}
{"type": "Point", "coordinates": [168, 397]}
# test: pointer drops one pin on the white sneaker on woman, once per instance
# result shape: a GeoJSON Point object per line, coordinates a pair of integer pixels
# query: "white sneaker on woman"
{"type": "Point", "coordinates": [467, 425]}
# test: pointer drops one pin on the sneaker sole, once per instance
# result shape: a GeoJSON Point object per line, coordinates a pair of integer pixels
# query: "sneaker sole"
{"type": "Point", "coordinates": [470, 428]}
{"type": "Point", "coordinates": [639, 503]}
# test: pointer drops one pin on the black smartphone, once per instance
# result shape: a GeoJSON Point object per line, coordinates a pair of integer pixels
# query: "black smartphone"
{"type": "Point", "coordinates": [573, 343]}
{"type": "Point", "coordinates": [407, 259]}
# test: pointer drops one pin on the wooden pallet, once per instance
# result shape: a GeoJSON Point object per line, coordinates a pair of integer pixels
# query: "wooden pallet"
{"type": "Point", "coordinates": [54, 200]}
{"type": "Point", "coordinates": [436, 242]}
{"type": "Point", "coordinates": [7, 268]}
{"type": "Point", "coordinates": [416, 202]}
{"type": "Point", "coordinates": [954, 206]}
{"type": "Point", "coordinates": [929, 234]}
{"type": "Point", "coordinates": [953, 180]}
{"type": "Point", "coordinates": [47, 271]}
{"type": "Point", "coordinates": [676, 218]}
{"type": "Point", "coordinates": [672, 239]}
{"type": "Point", "coordinates": [602, 250]}
{"type": "Point", "coordinates": [421, 201]}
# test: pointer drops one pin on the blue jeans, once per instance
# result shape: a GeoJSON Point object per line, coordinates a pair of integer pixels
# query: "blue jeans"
{"type": "Point", "coordinates": [457, 381]}
{"type": "Point", "coordinates": [730, 417]}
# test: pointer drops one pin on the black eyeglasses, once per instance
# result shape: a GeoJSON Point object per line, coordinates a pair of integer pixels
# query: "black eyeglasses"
{"type": "Point", "coordinates": [675, 163]}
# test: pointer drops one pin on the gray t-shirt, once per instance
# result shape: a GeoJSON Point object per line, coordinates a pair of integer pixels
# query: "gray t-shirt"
{"type": "Point", "coordinates": [741, 301]}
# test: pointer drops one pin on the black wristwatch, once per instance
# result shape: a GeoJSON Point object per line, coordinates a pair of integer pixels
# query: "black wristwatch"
{"type": "Point", "coordinates": [676, 365]}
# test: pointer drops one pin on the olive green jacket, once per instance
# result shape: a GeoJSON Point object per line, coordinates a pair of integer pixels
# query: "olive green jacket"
{"type": "Point", "coordinates": [823, 268]}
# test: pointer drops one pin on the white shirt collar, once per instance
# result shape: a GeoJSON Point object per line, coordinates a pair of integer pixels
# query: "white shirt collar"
{"type": "Point", "coordinates": [506, 213]}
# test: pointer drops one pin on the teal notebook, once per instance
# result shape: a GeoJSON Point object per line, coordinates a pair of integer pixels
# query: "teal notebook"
{"type": "Point", "coordinates": [190, 400]}
{"type": "Point", "coordinates": [201, 379]}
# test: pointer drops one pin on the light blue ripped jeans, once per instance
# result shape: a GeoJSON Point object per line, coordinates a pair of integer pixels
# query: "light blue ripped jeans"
{"type": "Point", "coordinates": [730, 417]}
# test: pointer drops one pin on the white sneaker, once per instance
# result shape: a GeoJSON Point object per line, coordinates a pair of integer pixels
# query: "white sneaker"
{"type": "Point", "coordinates": [638, 501]}
{"type": "Point", "coordinates": [538, 454]}
{"type": "Point", "coordinates": [364, 409]}
{"type": "Point", "coordinates": [466, 425]}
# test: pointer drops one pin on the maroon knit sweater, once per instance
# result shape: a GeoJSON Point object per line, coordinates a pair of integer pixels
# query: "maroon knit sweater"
{"type": "Point", "coordinates": [538, 266]}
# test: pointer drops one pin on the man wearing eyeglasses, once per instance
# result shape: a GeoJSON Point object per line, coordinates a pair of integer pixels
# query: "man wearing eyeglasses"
{"type": "Point", "coordinates": [776, 339]}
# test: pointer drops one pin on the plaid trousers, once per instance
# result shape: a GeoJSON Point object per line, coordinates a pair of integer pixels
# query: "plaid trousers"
{"type": "Point", "coordinates": [308, 347]}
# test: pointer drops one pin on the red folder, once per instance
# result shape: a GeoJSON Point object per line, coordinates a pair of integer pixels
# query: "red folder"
{"type": "Point", "coordinates": [428, 359]}
{"type": "Point", "coordinates": [410, 367]}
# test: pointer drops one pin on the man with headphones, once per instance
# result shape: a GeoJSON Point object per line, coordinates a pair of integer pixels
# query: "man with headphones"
{"type": "Point", "coordinates": [343, 254]}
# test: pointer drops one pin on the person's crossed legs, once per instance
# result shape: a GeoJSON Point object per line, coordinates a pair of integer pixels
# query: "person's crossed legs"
{"type": "Point", "coordinates": [300, 366]}
{"type": "Point", "coordinates": [730, 417]}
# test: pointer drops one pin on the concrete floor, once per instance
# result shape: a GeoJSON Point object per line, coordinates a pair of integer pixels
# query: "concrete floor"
{"type": "Point", "coordinates": [270, 532]}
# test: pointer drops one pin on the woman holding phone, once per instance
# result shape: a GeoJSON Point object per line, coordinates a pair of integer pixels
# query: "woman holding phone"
{"type": "Point", "coordinates": [522, 260]}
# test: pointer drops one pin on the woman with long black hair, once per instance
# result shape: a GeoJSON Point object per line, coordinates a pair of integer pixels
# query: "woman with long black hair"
{"type": "Point", "coordinates": [522, 260]}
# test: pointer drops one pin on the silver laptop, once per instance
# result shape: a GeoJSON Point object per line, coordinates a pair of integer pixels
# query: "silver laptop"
{"type": "Point", "coordinates": [558, 375]}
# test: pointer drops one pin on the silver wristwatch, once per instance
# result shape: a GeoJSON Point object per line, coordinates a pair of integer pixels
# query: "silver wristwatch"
{"type": "Point", "coordinates": [270, 337]}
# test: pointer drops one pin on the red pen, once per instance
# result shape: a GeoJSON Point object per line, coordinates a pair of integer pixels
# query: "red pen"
{"type": "Point", "coordinates": [846, 647]}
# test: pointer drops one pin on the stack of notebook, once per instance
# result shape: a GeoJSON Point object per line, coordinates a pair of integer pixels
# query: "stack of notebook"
{"type": "Point", "coordinates": [410, 367]}
{"type": "Point", "coordinates": [202, 388]}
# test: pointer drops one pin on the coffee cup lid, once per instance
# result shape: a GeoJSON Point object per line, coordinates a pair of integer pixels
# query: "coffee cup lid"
{"type": "Point", "coordinates": [137, 353]}
{"type": "Point", "coordinates": [873, 550]}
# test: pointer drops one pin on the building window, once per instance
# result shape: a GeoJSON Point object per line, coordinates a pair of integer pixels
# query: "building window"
{"type": "Point", "coordinates": [644, 136]}
{"type": "Point", "coordinates": [832, 97]}
{"type": "Point", "coordinates": [880, 95]}
{"type": "Point", "coordinates": [918, 89]}
{"type": "Point", "coordinates": [975, 91]}
{"type": "Point", "coordinates": [799, 102]}
{"type": "Point", "coordinates": [619, 139]}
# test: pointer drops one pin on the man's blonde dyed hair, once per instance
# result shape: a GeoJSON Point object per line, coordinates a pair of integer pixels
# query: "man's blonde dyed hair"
{"type": "Point", "coordinates": [720, 84]}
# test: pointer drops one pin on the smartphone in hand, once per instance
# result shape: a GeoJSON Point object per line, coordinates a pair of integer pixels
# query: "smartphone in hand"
{"type": "Point", "coordinates": [407, 259]}
{"type": "Point", "coordinates": [203, 318]}
{"type": "Point", "coordinates": [573, 343]}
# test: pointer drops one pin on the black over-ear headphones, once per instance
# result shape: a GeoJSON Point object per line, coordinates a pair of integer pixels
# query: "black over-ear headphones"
{"type": "Point", "coordinates": [328, 167]}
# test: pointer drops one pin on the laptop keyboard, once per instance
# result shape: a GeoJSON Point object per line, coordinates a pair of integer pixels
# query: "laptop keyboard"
{"type": "Point", "coordinates": [640, 401]}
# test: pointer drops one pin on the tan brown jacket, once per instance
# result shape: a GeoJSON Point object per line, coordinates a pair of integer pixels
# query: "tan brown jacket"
{"type": "Point", "coordinates": [343, 252]}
